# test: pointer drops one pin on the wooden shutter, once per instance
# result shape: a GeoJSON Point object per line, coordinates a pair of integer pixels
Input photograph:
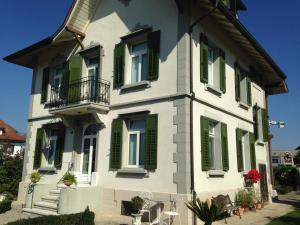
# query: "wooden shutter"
{"type": "Point", "coordinates": [63, 91]}
{"type": "Point", "coordinates": [222, 70]}
{"type": "Point", "coordinates": [39, 146]}
{"type": "Point", "coordinates": [239, 150]}
{"type": "Point", "coordinates": [265, 124]}
{"type": "Point", "coordinates": [224, 140]}
{"type": "Point", "coordinates": [252, 150]}
{"type": "Point", "coordinates": [249, 92]}
{"type": "Point", "coordinates": [153, 42]}
{"type": "Point", "coordinates": [75, 68]}
{"type": "Point", "coordinates": [60, 144]}
{"type": "Point", "coordinates": [45, 83]}
{"type": "Point", "coordinates": [237, 82]}
{"type": "Point", "coordinates": [205, 160]}
{"type": "Point", "coordinates": [256, 122]}
{"type": "Point", "coordinates": [116, 144]}
{"type": "Point", "coordinates": [119, 65]}
{"type": "Point", "coordinates": [203, 58]}
{"type": "Point", "coordinates": [151, 142]}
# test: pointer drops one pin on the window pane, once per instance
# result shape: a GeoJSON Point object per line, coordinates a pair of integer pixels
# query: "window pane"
{"type": "Point", "coordinates": [144, 67]}
{"type": "Point", "coordinates": [132, 149]}
{"type": "Point", "coordinates": [135, 69]}
{"type": "Point", "coordinates": [51, 151]}
{"type": "Point", "coordinates": [137, 125]}
{"type": "Point", "coordinates": [86, 156]}
{"type": "Point", "coordinates": [142, 149]}
{"type": "Point", "coordinates": [211, 152]}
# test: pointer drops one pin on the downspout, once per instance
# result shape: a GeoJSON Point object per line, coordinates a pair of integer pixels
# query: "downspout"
{"type": "Point", "coordinates": [192, 93]}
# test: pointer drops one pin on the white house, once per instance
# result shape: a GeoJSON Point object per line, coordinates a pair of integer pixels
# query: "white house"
{"type": "Point", "coordinates": [132, 96]}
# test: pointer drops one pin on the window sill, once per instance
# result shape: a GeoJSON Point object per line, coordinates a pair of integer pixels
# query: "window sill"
{"type": "Point", "coordinates": [243, 105]}
{"type": "Point", "coordinates": [139, 171]}
{"type": "Point", "coordinates": [135, 86]}
{"type": "Point", "coordinates": [261, 143]}
{"type": "Point", "coordinates": [216, 173]}
{"type": "Point", "coordinates": [213, 90]}
{"type": "Point", "coordinates": [47, 169]}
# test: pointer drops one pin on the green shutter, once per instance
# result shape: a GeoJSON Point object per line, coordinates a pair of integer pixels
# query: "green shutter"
{"type": "Point", "coordinates": [249, 92]}
{"type": "Point", "coordinates": [222, 70]}
{"type": "Point", "coordinates": [75, 68]}
{"type": "Point", "coordinates": [205, 159]}
{"type": "Point", "coordinates": [239, 150]}
{"type": "Point", "coordinates": [203, 58]}
{"type": "Point", "coordinates": [265, 124]}
{"type": "Point", "coordinates": [39, 146]}
{"type": "Point", "coordinates": [153, 42]}
{"type": "Point", "coordinates": [116, 144]}
{"type": "Point", "coordinates": [119, 65]}
{"type": "Point", "coordinates": [256, 122]}
{"type": "Point", "coordinates": [224, 140]}
{"type": "Point", "coordinates": [60, 144]}
{"type": "Point", "coordinates": [252, 150]}
{"type": "Point", "coordinates": [151, 142]}
{"type": "Point", "coordinates": [237, 82]}
{"type": "Point", "coordinates": [63, 91]}
{"type": "Point", "coordinates": [45, 83]}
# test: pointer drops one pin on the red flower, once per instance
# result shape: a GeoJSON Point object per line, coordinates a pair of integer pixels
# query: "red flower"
{"type": "Point", "coordinates": [253, 176]}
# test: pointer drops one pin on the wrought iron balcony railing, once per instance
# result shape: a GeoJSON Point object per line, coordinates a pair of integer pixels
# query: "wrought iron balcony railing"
{"type": "Point", "coordinates": [85, 90]}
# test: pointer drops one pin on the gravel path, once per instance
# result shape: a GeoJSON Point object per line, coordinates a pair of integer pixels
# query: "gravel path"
{"type": "Point", "coordinates": [14, 214]}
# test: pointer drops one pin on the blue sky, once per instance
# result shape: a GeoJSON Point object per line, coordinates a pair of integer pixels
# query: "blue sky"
{"type": "Point", "coordinates": [275, 26]}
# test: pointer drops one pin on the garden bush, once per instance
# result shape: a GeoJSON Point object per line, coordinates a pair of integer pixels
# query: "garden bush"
{"type": "Point", "coordinates": [5, 205]}
{"type": "Point", "coordinates": [287, 176]}
{"type": "Point", "coordinates": [85, 218]}
{"type": "Point", "coordinates": [281, 189]}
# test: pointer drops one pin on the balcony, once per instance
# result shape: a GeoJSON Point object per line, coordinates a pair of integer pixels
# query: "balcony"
{"type": "Point", "coordinates": [83, 96]}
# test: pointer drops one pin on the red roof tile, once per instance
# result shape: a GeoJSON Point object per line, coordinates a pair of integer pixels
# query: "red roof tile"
{"type": "Point", "coordinates": [10, 134]}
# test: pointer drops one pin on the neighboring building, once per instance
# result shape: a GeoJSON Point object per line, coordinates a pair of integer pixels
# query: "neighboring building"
{"type": "Point", "coordinates": [116, 100]}
{"type": "Point", "coordinates": [284, 157]}
{"type": "Point", "coordinates": [10, 138]}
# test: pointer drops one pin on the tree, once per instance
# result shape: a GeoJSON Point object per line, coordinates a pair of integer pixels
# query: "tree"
{"type": "Point", "coordinates": [10, 170]}
{"type": "Point", "coordinates": [297, 158]}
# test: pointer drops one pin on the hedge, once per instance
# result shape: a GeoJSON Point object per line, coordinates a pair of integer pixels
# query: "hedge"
{"type": "Point", "coordinates": [85, 218]}
{"type": "Point", "coordinates": [5, 205]}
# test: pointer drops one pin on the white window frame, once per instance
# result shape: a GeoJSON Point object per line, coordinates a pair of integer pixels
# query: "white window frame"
{"type": "Point", "coordinates": [51, 138]}
{"type": "Point", "coordinates": [211, 78]}
{"type": "Point", "coordinates": [57, 76]}
{"type": "Point", "coordinates": [138, 133]}
{"type": "Point", "coordinates": [217, 154]}
{"type": "Point", "coordinates": [140, 55]}
{"type": "Point", "coordinates": [246, 151]}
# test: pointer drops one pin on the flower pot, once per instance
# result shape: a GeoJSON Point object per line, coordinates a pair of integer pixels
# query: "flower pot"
{"type": "Point", "coordinates": [246, 209]}
{"type": "Point", "coordinates": [68, 183]}
{"type": "Point", "coordinates": [241, 210]}
{"type": "Point", "coordinates": [258, 205]}
{"type": "Point", "coordinates": [137, 219]}
{"type": "Point", "coordinates": [35, 180]}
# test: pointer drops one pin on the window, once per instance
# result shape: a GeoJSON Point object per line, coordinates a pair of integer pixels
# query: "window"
{"type": "Point", "coordinates": [246, 151]}
{"type": "Point", "coordinates": [242, 86]}
{"type": "Point", "coordinates": [136, 139]}
{"type": "Point", "coordinates": [57, 78]}
{"type": "Point", "coordinates": [261, 124]}
{"type": "Point", "coordinates": [276, 159]}
{"type": "Point", "coordinates": [212, 66]}
{"type": "Point", "coordinates": [138, 56]}
{"type": "Point", "coordinates": [215, 152]}
{"type": "Point", "coordinates": [93, 67]}
{"type": "Point", "coordinates": [50, 150]}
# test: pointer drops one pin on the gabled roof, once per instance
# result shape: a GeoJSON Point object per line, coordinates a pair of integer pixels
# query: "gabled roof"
{"type": "Point", "coordinates": [10, 134]}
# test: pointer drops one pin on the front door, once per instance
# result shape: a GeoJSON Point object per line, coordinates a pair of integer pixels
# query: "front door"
{"type": "Point", "coordinates": [88, 156]}
{"type": "Point", "coordinates": [263, 182]}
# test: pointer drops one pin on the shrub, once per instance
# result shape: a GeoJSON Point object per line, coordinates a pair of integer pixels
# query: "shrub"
{"type": "Point", "coordinates": [137, 204]}
{"type": "Point", "coordinates": [245, 198]}
{"type": "Point", "coordinates": [281, 189]}
{"type": "Point", "coordinates": [287, 176]}
{"type": "Point", "coordinates": [5, 205]}
{"type": "Point", "coordinates": [85, 218]}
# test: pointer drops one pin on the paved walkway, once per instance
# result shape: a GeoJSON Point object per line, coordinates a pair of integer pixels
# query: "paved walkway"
{"type": "Point", "coordinates": [14, 214]}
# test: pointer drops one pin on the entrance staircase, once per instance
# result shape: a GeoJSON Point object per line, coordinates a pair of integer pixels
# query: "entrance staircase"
{"type": "Point", "coordinates": [47, 206]}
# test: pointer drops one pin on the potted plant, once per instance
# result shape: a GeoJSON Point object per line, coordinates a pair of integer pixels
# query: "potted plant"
{"type": "Point", "coordinates": [137, 204]}
{"type": "Point", "coordinates": [35, 177]}
{"type": "Point", "coordinates": [206, 211]}
{"type": "Point", "coordinates": [245, 199]}
{"type": "Point", "coordinates": [69, 179]}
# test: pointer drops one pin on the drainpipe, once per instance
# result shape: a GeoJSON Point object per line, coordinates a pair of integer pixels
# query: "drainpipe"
{"type": "Point", "coordinates": [192, 93]}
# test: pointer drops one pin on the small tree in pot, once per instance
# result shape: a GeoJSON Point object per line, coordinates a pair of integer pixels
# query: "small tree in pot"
{"type": "Point", "coordinates": [137, 204]}
{"type": "Point", "coordinates": [206, 211]}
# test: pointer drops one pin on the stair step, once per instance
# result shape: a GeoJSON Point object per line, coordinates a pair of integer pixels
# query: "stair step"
{"type": "Point", "coordinates": [46, 206]}
{"type": "Point", "coordinates": [50, 198]}
{"type": "Point", "coordinates": [41, 212]}
{"type": "Point", "coordinates": [55, 192]}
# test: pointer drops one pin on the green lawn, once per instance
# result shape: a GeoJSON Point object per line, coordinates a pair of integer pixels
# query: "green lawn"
{"type": "Point", "coordinates": [292, 218]}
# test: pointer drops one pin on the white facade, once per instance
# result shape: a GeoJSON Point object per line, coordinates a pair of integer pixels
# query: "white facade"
{"type": "Point", "coordinates": [170, 97]}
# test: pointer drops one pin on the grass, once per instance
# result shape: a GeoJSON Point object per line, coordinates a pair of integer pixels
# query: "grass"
{"type": "Point", "coordinates": [292, 218]}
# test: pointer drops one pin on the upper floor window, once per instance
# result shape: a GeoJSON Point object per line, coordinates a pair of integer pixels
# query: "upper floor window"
{"type": "Point", "coordinates": [136, 58]}
{"type": "Point", "coordinates": [212, 65]}
{"type": "Point", "coordinates": [138, 68]}
{"type": "Point", "coordinates": [57, 78]}
{"type": "Point", "coordinates": [261, 124]}
{"type": "Point", "coordinates": [243, 86]}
